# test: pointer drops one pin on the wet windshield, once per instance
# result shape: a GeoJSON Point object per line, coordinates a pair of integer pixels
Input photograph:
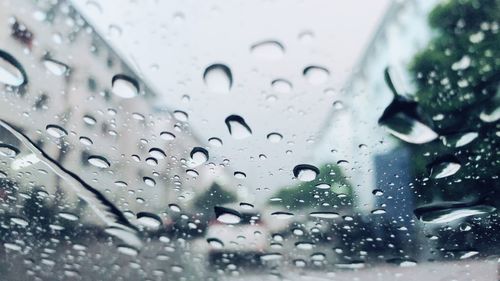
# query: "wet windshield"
{"type": "Point", "coordinates": [267, 140]}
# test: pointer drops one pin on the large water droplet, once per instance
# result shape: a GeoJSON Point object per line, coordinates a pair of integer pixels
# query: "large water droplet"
{"type": "Point", "coordinates": [68, 216]}
{"type": "Point", "coordinates": [199, 155]}
{"type": "Point", "coordinates": [274, 137]}
{"type": "Point", "coordinates": [281, 86]}
{"type": "Point", "coordinates": [55, 67]}
{"type": "Point", "coordinates": [226, 215]}
{"type": "Point", "coordinates": [316, 75]}
{"type": "Point", "coordinates": [11, 71]}
{"type": "Point", "coordinates": [408, 129]}
{"type": "Point", "coordinates": [126, 250]}
{"type": "Point", "coordinates": [215, 243]}
{"type": "Point", "coordinates": [56, 131]}
{"type": "Point", "coordinates": [444, 167]}
{"type": "Point", "coordinates": [271, 257]}
{"type": "Point", "coordinates": [99, 161]}
{"type": "Point", "coordinates": [215, 142]}
{"type": "Point", "coordinates": [149, 181]}
{"type": "Point", "coordinates": [124, 86]}
{"type": "Point", "coordinates": [168, 136]}
{"type": "Point", "coordinates": [268, 50]}
{"type": "Point", "coordinates": [157, 153]}
{"type": "Point", "coordinates": [401, 117]}
{"type": "Point", "coordinates": [324, 215]}
{"type": "Point", "coordinates": [149, 220]}
{"type": "Point", "coordinates": [282, 215]}
{"type": "Point", "coordinates": [218, 78]}
{"type": "Point", "coordinates": [19, 221]}
{"type": "Point", "coordinates": [459, 140]}
{"type": "Point", "coordinates": [237, 127]}
{"type": "Point", "coordinates": [7, 150]}
{"type": "Point", "coordinates": [305, 172]}
{"type": "Point", "coordinates": [450, 211]}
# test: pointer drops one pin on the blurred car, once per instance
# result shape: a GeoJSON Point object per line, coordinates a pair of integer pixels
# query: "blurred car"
{"type": "Point", "coordinates": [240, 244]}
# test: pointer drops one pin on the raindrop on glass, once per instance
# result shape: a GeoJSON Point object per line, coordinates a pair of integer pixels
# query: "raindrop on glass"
{"type": "Point", "coordinates": [11, 72]}
{"type": "Point", "coordinates": [199, 155]}
{"type": "Point", "coordinates": [226, 215]}
{"type": "Point", "coordinates": [268, 50]}
{"type": "Point", "coordinates": [124, 86]}
{"type": "Point", "coordinates": [99, 161]}
{"type": "Point", "coordinates": [218, 78]}
{"type": "Point", "coordinates": [305, 172]}
{"type": "Point", "coordinates": [316, 75]}
{"type": "Point", "coordinates": [56, 131]}
{"type": "Point", "coordinates": [237, 127]}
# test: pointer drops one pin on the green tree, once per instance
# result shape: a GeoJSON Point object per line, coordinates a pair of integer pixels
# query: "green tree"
{"type": "Point", "coordinates": [316, 193]}
{"type": "Point", "coordinates": [457, 81]}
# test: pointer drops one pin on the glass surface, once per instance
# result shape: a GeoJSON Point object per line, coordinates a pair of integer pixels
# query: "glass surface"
{"type": "Point", "coordinates": [249, 140]}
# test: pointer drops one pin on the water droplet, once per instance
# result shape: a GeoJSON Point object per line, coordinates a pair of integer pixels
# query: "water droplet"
{"type": "Point", "coordinates": [226, 215]}
{"type": "Point", "coordinates": [303, 245]}
{"type": "Point", "coordinates": [246, 206]}
{"type": "Point", "coordinates": [11, 71]}
{"type": "Point", "coordinates": [12, 247]}
{"type": "Point", "coordinates": [299, 263]}
{"type": "Point", "coordinates": [316, 75]}
{"type": "Point", "coordinates": [274, 137]}
{"type": "Point", "coordinates": [271, 257]}
{"type": "Point", "coordinates": [282, 215]}
{"type": "Point", "coordinates": [138, 116]}
{"type": "Point", "coordinates": [215, 142]}
{"type": "Point", "coordinates": [377, 192]}
{"type": "Point", "coordinates": [268, 50]}
{"type": "Point", "coordinates": [215, 243]}
{"type": "Point", "coordinates": [99, 161]}
{"type": "Point", "coordinates": [174, 207]}
{"type": "Point", "coordinates": [240, 175]}
{"type": "Point", "coordinates": [402, 262]}
{"type": "Point", "coordinates": [181, 115]}
{"type": "Point", "coordinates": [468, 254]}
{"type": "Point", "coordinates": [281, 86]}
{"type": "Point", "coordinates": [199, 156]}
{"type": "Point", "coordinates": [157, 153]}
{"type": "Point", "coordinates": [149, 220]}
{"type": "Point", "coordinates": [56, 67]}
{"type": "Point", "coordinates": [124, 86]}
{"type": "Point", "coordinates": [306, 37]}
{"type": "Point", "coordinates": [68, 216]}
{"type": "Point", "coordinates": [237, 127]}
{"type": "Point", "coordinates": [149, 181]}
{"type": "Point", "coordinates": [56, 131]}
{"type": "Point", "coordinates": [323, 186]}
{"type": "Point", "coordinates": [305, 172]}
{"type": "Point", "coordinates": [89, 120]}
{"type": "Point", "coordinates": [126, 250]}
{"type": "Point", "coordinates": [459, 140]}
{"type": "Point", "coordinates": [401, 117]}
{"type": "Point", "coordinates": [192, 173]}
{"type": "Point", "coordinates": [218, 78]}
{"type": "Point", "coordinates": [151, 161]}
{"type": "Point", "coordinates": [7, 150]}
{"type": "Point", "coordinates": [444, 167]}
{"type": "Point", "coordinates": [167, 136]}
{"type": "Point", "coordinates": [378, 212]}
{"type": "Point", "coordinates": [450, 211]}
{"type": "Point", "coordinates": [121, 184]}
{"type": "Point", "coordinates": [19, 221]}
{"type": "Point", "coordinates": [324, 215]}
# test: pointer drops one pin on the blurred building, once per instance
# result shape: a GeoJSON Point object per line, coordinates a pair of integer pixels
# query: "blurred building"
{"type": "Point", "coordinates": [355, 136]}
{"type": "Point", "coordinates": [69, 72]}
